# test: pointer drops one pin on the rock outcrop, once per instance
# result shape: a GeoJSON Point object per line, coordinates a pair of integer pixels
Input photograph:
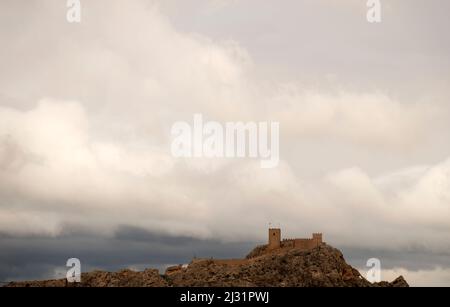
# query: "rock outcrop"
{"type": "Point", "coordinates": [124, 278]}
{"type": "Point", "coordinates": [323, 266]}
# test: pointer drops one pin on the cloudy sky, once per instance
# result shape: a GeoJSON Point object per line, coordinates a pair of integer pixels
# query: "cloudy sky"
{"type": "Point", "coordinates": [86, 110]}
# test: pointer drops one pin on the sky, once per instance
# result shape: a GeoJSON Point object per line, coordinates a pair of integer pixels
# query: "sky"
{"type": "Point", "coordinates": [86, 111]}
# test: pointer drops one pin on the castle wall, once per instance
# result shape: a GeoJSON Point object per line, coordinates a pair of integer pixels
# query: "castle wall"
{"type": "Point", "coordinates": [304, 244]}
{"type": "Point", "coordinates": [287, 243]}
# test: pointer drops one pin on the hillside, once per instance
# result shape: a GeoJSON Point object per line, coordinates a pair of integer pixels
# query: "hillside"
{"type": "Point", "coordinates": [323, 266]}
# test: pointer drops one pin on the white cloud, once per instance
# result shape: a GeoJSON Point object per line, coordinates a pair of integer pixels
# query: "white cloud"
{"type": "Point", "coordinates": [51, 164]}
{"type": "Point", "coordinates": [371, 119]}
{"type": "Point", "coordinates": [97, 155]}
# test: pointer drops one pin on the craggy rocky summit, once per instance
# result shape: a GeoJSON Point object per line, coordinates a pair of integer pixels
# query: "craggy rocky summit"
{"type": "Point", "coordinates": [124, 278]}
{"type": "Point", "coordinates": [280, 263]}
{"type": "Point", "coordinates": [322, 266]}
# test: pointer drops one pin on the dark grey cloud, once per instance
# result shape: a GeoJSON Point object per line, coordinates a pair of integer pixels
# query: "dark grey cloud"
{"type": "Point", "coordinates": [36, 257]}
{"type": "Point", "coordinates": [413, 259]}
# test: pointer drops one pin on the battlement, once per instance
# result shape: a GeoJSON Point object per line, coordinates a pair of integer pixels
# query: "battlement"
{"type": "Point", "coordinates": [275, 241]}
{"type": "Point", "coordinates": [317, 236]}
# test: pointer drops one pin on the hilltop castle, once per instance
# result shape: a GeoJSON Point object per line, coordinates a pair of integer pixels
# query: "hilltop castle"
{"type": "Point", "coordinates": [274, 246]}
{"type": "Point", "coordinates": [275, 241]}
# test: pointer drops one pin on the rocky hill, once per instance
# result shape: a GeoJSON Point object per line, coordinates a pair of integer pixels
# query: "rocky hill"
{"type": "Point", "coordinates": [323, 266]}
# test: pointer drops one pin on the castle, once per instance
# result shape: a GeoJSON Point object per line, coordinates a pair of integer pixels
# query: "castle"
{"type": "Point", "coordinates": [275, 241]}
{"type": "Point", "coordinates": [275, 245]}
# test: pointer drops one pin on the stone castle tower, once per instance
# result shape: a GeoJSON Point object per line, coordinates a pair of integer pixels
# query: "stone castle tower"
{"type": "Point", "coordinates": [274, 238]}
{"type": "Point", "coordinates": [317, 238]}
